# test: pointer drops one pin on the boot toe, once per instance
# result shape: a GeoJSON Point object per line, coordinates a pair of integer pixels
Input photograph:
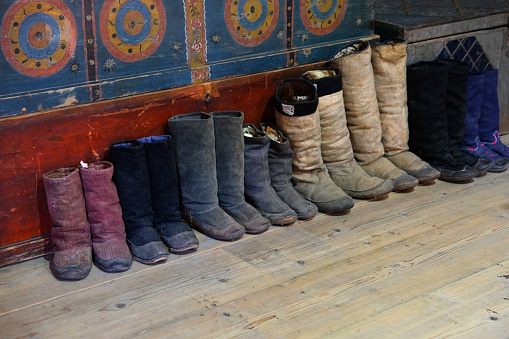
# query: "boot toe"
{"type": "Point", "coordinates": [281, 219]}
{"type": "Point", "coordinates": [182, 243]}
{"type": "Point", "coordinates": [71, 272]}
{"type": "Point", "coordinates": [499, 166]}
{"type": "Point", "coordinates": [114, 265]}
{"type": "Point", "coordinates": [308, 212]}
{"type": "Point", "coordinates": [386, 187]}
{"type": "Point", "coordinates": [154, 252]}
{"type": "Point", "coordinates": [340, 205]}
{"type": "Point", "coordinates": [482, 166]}
{"type": "Point", "coordinates": [257, 225]}
{"type": "Point", "coordinates": [425, 174]}
{"type": "Point", "coordinates": [404, 182]}
{"type": "Point", "coordinates": [464, 175]}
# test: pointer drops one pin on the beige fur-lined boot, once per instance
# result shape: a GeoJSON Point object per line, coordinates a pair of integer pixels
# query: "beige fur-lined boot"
{"type": "Point", "coordinates": [296, 104]}
{"type": "Point", "coordinates": [389, 66]}
{"type": "Point", "coordinates": [362, 115]}
{"type": "Point", "coordinates": [336, 147]}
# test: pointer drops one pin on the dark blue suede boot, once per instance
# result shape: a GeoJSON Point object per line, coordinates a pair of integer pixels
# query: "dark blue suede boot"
{"type": "Point", "coordinates": [164, 188]}
{"type": "Point", "coordinates": [490, 119]}
{"type": "Point", "coordinates": [257, 183]}
{"type": "Point", "coordinates": [132, 180]}
{"type": "Point", "coordinates": [193, 134]}
{"type": "Point", "coordinates": [280, 168]}
{"type": "Point", "coordinates": [456, 108]}
{"type": "Point", "coordinates": [471, 143]}
{"type": "Point", "coordinates": [230, 172]}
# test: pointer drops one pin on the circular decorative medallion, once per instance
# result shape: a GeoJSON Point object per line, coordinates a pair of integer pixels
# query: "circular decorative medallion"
{"type": "Point", "coordinates": [132, 30]}
{"type": "Point", "coordinates": [38, 38]}
{"type": "Point", "coordinates": [250, 22]}
{"type": "Point", "coordinates": [323, 16]}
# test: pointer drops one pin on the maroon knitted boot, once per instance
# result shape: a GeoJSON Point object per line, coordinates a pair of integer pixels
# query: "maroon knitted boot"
{"type": "Point", "coordinates": [70, 231]}
{"type": "Point", "coordinates": [111, 253]}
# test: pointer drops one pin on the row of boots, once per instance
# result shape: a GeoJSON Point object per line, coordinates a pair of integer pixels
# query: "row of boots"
{"type": "Point", "coordinates": [222, 177]}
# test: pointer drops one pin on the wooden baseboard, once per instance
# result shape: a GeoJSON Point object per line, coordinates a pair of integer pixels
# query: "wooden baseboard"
{"type": "Point", "coordinates": [25, 250]}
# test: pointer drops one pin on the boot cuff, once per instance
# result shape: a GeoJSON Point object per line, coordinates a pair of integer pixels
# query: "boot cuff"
{"type": "Point", "coordinates": [127, 147]}
{"type": "Point", "coordinates": [153, 139]}
{"type": "Point", "coordinates": [99, 168]}
{"type": "Point", "coordinates": [425, 67]}
{"type": "Point", "coordinates": [454, 66]}
{"type": "Point", "coordinates": [327, 80]}
{"type": "Point", "coordinates": [391, 42]}
{"type": "Point", "coordinates": [296, 97]}
{"type": "Point", "coordinates": [353, 48]}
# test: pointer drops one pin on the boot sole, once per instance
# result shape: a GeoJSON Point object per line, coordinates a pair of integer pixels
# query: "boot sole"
{"type": "Point", "coordinates": [152, 261]}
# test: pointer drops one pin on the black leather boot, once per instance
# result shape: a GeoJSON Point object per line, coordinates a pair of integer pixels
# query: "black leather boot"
{"type": "Point", "coordinates": [164, 188]}
{"type": "Point", "coordinates": [427, 121]}
{"type": "Point", "coordinates": [133, 185]}
{"type": "Point", "coordinates": [193, 134]}
{"type": "Point", "coordinates": [230, 172]}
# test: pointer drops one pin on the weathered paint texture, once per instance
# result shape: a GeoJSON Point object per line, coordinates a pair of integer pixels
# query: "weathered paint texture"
{"type": "Point", "coordinates": [103, 49]}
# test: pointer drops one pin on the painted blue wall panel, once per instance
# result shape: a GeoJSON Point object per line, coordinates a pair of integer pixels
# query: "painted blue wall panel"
{"type": "Point", "coordinates": [57, 53]}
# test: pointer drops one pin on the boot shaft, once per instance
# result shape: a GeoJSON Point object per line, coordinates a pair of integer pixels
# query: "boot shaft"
{"type": "Point", "coordinates": [162, 171]}
{"type": "Point", "coordinates": [489, 121]}
{"type": "Point", "coordinates": [427, 117]}
{"type": "Point", "coordinates": [456, 108]}
{"type": "Point", "coordinates": [193, 134]}
{"type": "Point", "coordinates": [280, 156]}
{"type": "Point", "coordinates": [474, 102]}
{"type": "Point", "coordinates": [131, 178]}
{"type": "Point", "coordinates": [229, 147]}
{"type": "Point", "coordinates": [389, 66]}
{"type": "Point", "coordinates": [336, 148]}
{"type": "Point", "coordinates": [66, 204]}
{"type": "Point", "coordinates": [296, 103]}
{"type": "Point", "coordinates": [360, 100]}
{"type": "Point", "coordinates": [102, 202]}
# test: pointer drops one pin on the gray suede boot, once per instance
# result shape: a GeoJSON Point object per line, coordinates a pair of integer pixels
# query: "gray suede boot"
{"type": "Point", "coordinates": [230, 172]}
{"type": "Point", "coordinates": [363, 117]}
{"type": "Point", "coordinates": [258, 189]}
{"type": "Point", "coordinates": [297, 116]}
{"type": "Point", "coordinates": [280, 168]}
{"type": "Point", "coordinates": [193, 134]}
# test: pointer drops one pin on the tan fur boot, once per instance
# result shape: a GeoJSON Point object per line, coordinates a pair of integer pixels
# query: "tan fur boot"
{"type": "Point", "coordinates": [297, 117]}
{"type": "Point", "coordinates": [362, 115]}
{"type": "Point", "coordinates": [336, 147]}
{"type": "Point", "coordinates": [389, 66]}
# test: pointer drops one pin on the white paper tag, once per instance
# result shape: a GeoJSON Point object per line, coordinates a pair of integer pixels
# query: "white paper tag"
{"type": "Point", "coordinates": [288, 109]}
{"type": "Point", "coordinates": [83, 164]}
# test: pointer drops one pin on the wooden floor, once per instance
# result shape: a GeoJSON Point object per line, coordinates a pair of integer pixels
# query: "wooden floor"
{"type": "Point", "coordinates": [433, 263]}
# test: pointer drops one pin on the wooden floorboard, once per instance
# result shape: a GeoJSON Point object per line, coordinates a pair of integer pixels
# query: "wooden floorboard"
{"type": "Point", "coordinates": [433, 263]}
